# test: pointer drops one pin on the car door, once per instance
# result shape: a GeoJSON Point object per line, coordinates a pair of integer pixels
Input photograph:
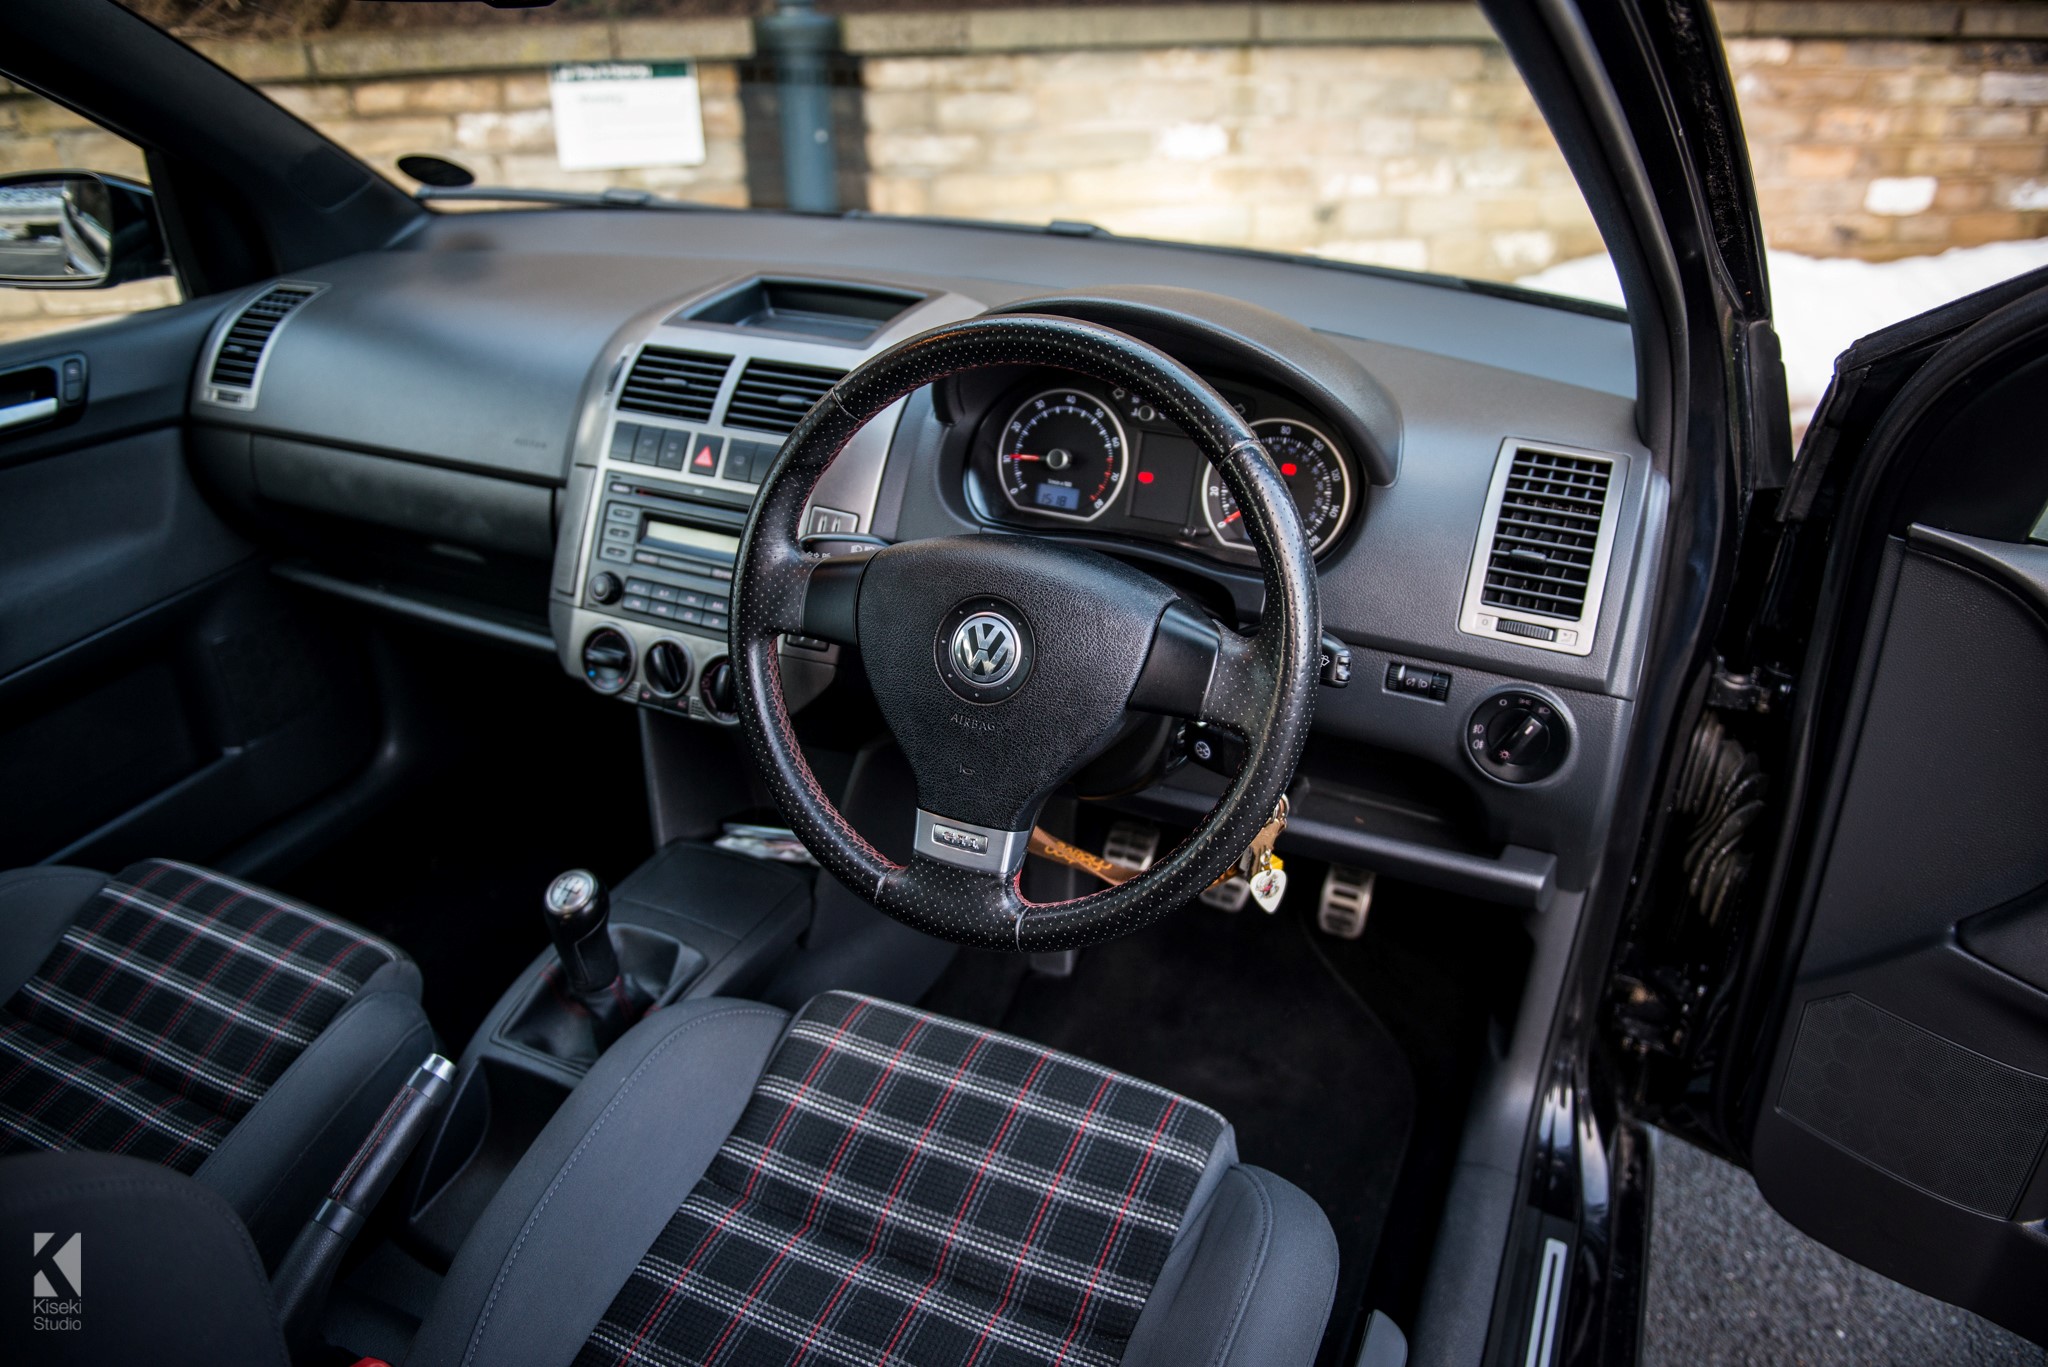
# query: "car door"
{"type": "Point", "coordinates": [1883, 1034]}
{"type": "Point", "coordinates": [159, 694]}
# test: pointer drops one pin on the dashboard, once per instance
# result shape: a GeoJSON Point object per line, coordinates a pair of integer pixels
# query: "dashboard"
{"type": "Point", "coordinates": [558, 422]}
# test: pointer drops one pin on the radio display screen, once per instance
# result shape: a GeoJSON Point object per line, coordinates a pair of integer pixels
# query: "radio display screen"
{"type": "Point", "coordinates": [664, 532]}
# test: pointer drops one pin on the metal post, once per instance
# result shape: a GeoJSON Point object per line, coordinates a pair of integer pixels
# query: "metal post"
{"type": "Point", "coordinates": [799, 42]}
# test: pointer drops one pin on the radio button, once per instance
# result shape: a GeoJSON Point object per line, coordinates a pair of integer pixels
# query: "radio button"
{"type": "Point", "coordinates": [663, 593]}
{"type": "Point", "coordinates": [662, 609]}
{"type": "Point", "coordinates": [633, 603]}
{"type": "Point", "coordinates": [716, 621]}
{"type": "Point", "coordinates": [618, 553]}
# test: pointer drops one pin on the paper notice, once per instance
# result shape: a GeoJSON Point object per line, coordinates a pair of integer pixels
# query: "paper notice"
{"type": "Point", "coordinates": [613, 116]}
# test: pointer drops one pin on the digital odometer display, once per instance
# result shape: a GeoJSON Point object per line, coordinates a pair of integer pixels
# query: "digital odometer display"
{"type": "Point", "coordinates": [1062, 453]}
{"type": "Point", "coordinates": [1314, 473]}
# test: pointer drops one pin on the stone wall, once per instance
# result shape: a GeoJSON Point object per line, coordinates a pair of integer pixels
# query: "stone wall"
{"type": "Point", "coordinates": [1887, 148]}
{"type": "Point", "coordinates": [1426, 157]}
{"type": "Point", "coordinates": [1390, 133]}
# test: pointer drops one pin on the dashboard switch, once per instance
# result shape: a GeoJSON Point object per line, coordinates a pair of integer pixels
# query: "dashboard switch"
{"type": "Point", "coordinates": [1336, 662]}
{"type": "Point", "coordinates": [1418, 681]}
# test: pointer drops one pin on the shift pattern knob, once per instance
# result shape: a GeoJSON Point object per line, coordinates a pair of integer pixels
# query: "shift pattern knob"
{"type": "Point", "coordinates": [578, 916]}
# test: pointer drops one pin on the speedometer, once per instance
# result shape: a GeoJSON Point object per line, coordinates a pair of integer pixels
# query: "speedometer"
{"type": "Point", "coordinates": [1315, 474]}
{"type": "Point", "coordinates": [1062, 454]}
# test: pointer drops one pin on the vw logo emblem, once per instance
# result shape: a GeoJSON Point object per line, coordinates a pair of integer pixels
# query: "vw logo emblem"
{"type": "Point", "coordinates": [986, 650]}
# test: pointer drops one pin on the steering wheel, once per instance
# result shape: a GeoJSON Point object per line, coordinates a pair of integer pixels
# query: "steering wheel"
{"type": "Point", "coordinates": [1003, 663]}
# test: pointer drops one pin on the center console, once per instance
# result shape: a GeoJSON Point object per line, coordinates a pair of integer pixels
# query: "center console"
{"type": "Point", "coordinates": [674, 445]}
{"type": "Point", "coordinates": [693, 921]}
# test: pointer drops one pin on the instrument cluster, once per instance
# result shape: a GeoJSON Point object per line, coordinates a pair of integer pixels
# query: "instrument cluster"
{"type": "Point", "coordinates": [1058, 451]}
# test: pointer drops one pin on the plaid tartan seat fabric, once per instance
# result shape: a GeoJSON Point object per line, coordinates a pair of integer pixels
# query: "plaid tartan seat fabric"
{"type": "Point", "coordinates": [906, 1189]}
{"type": "Point", "coordinates": [173, 1001]}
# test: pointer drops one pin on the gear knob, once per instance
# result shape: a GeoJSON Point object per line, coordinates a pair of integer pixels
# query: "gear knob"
{"type": "Point", "coordinates": [578, 916]}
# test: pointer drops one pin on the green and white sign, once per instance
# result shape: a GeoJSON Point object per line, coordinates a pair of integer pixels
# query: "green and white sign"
{"type": "Point", "coordinates": [612, 116]}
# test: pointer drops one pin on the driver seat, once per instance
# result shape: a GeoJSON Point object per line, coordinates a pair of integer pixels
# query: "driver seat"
{"type": "Point", "coordinates": [864, 1182]}
{"type": "Point", "coordinates": [858, 1183]}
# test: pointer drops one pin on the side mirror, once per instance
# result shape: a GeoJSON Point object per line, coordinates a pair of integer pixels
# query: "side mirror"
{"type": "Point", "coordinates": [77, 230]}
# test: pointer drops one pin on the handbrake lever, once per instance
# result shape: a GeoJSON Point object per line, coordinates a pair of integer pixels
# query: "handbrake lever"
{"type": "Point", "coordinates": [306, 1275]}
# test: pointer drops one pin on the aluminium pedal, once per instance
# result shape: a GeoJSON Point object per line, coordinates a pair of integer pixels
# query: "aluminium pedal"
{"type": "Point", "coordinates": [1228, 896]}
{"type": "Point", "coordinates": [1133, 844]}
{"type": "Point", "coordinates": [1346, 899]}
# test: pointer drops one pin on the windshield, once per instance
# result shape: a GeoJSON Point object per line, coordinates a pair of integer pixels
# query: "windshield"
{"type": "Point", "coordinates": [1394, 135]}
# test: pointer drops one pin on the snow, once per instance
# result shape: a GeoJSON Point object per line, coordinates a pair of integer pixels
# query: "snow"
{"type": "Point", "coordinates": [1824, 304]}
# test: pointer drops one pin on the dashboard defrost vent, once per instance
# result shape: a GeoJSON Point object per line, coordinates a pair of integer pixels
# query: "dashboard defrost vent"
{"type": "Point", "coordinates": [236, 365]}
{"type": "Point", "coordinates": [1544, 547]}
{"type": "Point", "coordinates": [674, 384]}
{"type": "Point", "coordinates": [773, 396]}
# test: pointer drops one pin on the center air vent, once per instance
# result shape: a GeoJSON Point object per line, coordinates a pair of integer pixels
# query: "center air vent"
{"type": "Point", "coordinates": [773, 396]}
{"type": "Point", "coordinates": [232, 380]}
{"type": "Point", "coordinates": [1543, 549]}
{"type": "Point", "coordinates": [674, 384]}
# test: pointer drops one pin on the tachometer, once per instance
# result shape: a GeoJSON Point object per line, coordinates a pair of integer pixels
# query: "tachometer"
{"type": "Point", "coordinates": [1062, 453]}
{"type": "Point", "coordinates": [1315, 475]}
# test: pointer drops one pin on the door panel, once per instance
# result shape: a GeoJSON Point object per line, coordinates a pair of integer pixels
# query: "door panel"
{"type": "Point", "coordinates": [1903, 1119]}
{"type": "Point", "coordinates": [159, 693]}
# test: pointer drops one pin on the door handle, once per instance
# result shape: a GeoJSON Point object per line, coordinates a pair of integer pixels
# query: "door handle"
{"type": "Point", "coordinates": [35, 410]}
{"type": "Point", "coordinates": [41, 391]}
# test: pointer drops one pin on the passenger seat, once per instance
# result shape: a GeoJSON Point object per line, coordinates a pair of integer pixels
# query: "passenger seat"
{"type": "Point", "coordinates": [184, 1017]}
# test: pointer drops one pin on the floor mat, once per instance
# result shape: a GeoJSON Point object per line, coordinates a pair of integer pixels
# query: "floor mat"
{"type": "Point", "coordinates": [1235, 1011]}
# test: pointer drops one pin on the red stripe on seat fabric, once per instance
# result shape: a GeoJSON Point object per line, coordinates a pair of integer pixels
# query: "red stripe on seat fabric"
{"type": "Point", "coordinates": [910, 1162]}
{"type": "Point", "coordinates": [966, 1201]}
{"type": "Point", "coordinates": [1115, 1228]}
{"type": "Point", "coordinates": [675, 1283]}
{"type": "Point", "coordinates": [1052, 1189]}
{"type": "Point", "coordinates": [846, 1138]}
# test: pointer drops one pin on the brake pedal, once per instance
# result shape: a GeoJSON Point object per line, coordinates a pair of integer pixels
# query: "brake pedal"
{"type": "Point", "coordinates": [1346, 899]}
{"type": "Point", "coordinates": [1230, 895]}
{"type": "Point", "coordinates": [1133, 844]}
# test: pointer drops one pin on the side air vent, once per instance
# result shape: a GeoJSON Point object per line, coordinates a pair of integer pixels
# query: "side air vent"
{"type": "Point", "coordinates": [239, 361]}
{"type": "Point", "coordinates": [674, 384]}
{"type": "Point", "coordinates": [1543, 547]}
{"type": "Point", "coordinates": [773, 396]}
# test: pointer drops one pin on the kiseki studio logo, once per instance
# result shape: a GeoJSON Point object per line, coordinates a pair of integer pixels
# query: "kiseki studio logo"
{"type": "Point", "coordinates": [59, 1283]}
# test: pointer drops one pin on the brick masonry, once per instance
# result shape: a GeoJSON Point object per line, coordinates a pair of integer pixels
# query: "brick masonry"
{"type": "Point", "coordinates": [1390, 133]}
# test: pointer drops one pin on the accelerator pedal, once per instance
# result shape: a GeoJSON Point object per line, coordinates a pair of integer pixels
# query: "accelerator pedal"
{"type": "Point", "coordinates": [1346, 899]}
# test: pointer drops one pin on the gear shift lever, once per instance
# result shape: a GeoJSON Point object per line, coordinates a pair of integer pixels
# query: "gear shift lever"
{"type": "Point", "coordinates": [579, 917]}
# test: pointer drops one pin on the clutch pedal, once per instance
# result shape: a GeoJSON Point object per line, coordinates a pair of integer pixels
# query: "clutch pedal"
{"type": "Point", "coordinates": [1346, 899]}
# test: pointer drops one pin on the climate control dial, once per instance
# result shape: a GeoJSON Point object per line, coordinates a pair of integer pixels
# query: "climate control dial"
{"type": "Point", "coordinates": [607, 660]}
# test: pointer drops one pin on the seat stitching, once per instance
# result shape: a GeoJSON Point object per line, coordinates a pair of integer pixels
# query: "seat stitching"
{"type": "Point", "coordinates": [1258, 1265]}
{"type": "Point", "coordinates": [589, 1136]}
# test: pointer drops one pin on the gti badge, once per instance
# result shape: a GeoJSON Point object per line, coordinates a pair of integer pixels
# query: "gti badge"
{"type": "Point", "coordinates": [984, 650]}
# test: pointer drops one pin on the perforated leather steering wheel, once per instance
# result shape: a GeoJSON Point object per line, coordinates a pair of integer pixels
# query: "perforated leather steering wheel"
{"type": "Point", "coordinates": [1004, 663]}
